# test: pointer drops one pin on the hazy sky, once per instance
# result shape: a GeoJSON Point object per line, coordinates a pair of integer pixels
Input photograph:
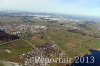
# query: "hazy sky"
{"type": "Point", "coordinates": [80, 7]}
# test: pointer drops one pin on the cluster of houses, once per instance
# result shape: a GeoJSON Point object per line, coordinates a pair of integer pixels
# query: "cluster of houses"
{"type": "Point", "coordinates": [22, 28]}
{"type": "Point", "coordinates": [37, 55]}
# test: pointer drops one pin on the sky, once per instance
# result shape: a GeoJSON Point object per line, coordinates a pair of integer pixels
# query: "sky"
{"type": "Point", "coordinates": [75, 7]}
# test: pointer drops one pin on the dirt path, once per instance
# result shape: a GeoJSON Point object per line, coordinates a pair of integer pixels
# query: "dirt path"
{"type": "Point", "coordinates": [8, 63]}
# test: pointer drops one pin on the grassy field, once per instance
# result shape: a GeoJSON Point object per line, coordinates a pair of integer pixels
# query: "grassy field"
{"type": "Point", "coordinates": [1, 64]}
{"type": "Point", "coordinates": [73, 43]}
{"type": "Point", "coordinates": [17, 48]}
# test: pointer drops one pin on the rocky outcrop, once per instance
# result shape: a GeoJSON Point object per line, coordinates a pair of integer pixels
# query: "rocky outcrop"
{"type": "Point", "coordinates": [7, 37]}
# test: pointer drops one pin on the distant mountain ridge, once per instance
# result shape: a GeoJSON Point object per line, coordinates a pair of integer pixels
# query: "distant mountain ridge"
{"type": "Point", "coordinates": [25, 13]}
